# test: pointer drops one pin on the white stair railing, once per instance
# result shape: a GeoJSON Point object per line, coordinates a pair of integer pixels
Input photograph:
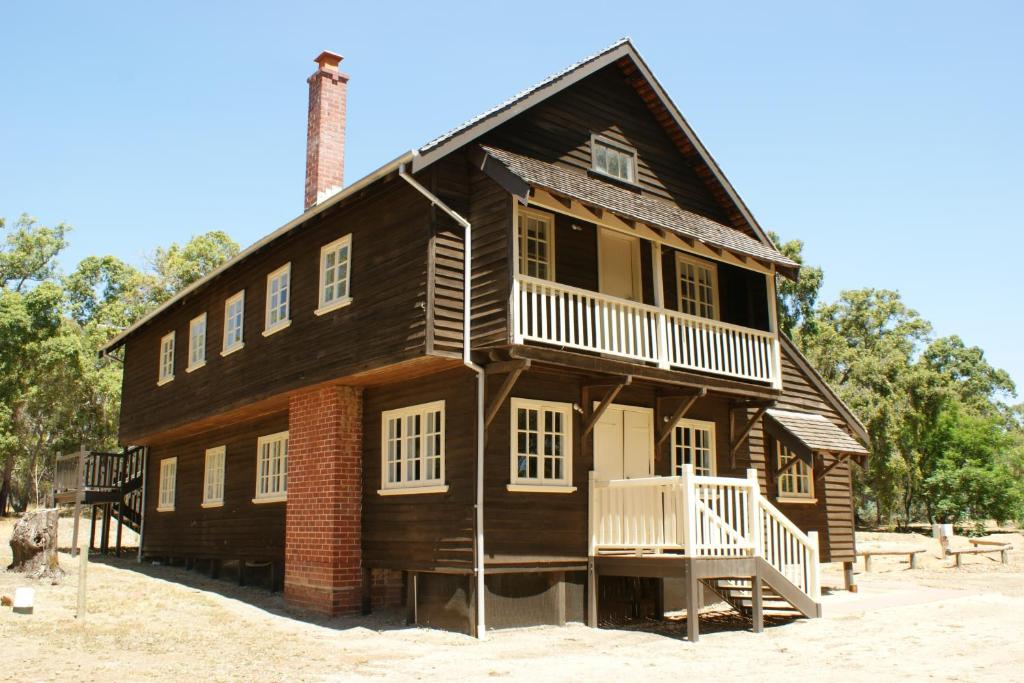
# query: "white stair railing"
{"type": "Point", "coordinates": [792, 552]}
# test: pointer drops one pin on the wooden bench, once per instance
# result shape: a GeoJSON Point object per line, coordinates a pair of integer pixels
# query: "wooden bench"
{"type": "Point", "coordinates": [911, 555]}
{"type": "Point", "coordinates": [982, 546]}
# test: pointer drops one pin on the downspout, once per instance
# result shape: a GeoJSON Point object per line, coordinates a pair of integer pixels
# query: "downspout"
{"type": "Point", "coordinates": [467, 360]}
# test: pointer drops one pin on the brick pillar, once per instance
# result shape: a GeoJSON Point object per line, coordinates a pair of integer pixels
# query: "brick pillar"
{"type": "Point", "coordinates": [323, 534]}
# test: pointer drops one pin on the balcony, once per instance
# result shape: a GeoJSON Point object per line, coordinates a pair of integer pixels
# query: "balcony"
{"type": "Point", "coordinates": [549, 312]}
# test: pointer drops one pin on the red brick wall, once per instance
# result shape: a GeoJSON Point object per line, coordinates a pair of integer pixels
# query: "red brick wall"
{"type": "Point", "coordinates": [324, 512]}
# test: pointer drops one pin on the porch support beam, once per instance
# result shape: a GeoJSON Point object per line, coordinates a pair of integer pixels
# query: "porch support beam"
{"type": "Point", "coordinates": [514, 370]}
{"type": "Point", "coordinates": [681, 410]}
{"type": "Point", "coordinates": [745, 432]}
{"type": "Point", "coordinates": [838, 460]}
{"type": "Point", "coordinates": [613, 391]}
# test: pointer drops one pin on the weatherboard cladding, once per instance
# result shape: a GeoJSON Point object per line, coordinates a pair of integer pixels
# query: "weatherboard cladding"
{"type": "Point", "coordinates": [635, 206]}
{"type": "Point", "coordinates": [817, 432]}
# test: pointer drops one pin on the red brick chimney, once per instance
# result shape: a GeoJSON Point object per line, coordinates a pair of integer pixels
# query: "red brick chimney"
{"type": "Point", "coordinates": [325, 134]}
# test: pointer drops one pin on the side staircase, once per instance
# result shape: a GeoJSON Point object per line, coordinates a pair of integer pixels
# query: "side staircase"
{"type": "Point", "coordinates": [109, 483]}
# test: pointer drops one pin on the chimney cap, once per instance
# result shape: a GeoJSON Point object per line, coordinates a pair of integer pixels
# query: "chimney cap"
{"type": "Point", "coordinates": [328, 60]}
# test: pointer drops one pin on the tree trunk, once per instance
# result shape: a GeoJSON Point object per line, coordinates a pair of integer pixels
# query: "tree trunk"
{"type": "Point", "coordinates": [5, 484]}
{"type": "Point", "coordinates": [34, 545]}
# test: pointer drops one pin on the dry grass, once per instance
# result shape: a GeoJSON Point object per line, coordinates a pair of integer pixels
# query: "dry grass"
{"type": "Point", "coordinates": [166, 624]}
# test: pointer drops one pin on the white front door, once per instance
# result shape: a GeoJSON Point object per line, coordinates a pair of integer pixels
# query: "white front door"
{"type": "Point", "coordinates": [619, 267]}
{"type": "Point", "coordinates": [624, 443]}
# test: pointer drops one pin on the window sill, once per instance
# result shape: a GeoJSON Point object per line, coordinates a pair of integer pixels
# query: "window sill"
{"type": "Point", "coordinates": [412, 490]}
{"type": "Point", "coordinates": [626, 184]}
{"type": "Point", "coordinates": [193, 368]}
{"type": "Point", "coordinates": [796, 501]}
{"type": "Point", "coordinates": [165, 509]}
{"type": "Point", "coordinates": [541, 488]}
{"type": "Point", "coordinates": [231, 349]}
{"type": "Point", "coordinates": [333, 306]}
{"type": "Point", "coordinates": [165, 380]}
{"type": "Point", "coordinates": [213, 504]}
{"type": "Point", "coordinates": [269, 499]}
{"type": "Point", "coordinates": [277, 328]}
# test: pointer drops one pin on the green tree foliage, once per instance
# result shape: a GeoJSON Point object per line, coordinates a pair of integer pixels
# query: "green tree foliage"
{"type": "Point", "coordinates": [796, 300]}
{"type": "Point", "coordinates": [56, 392]}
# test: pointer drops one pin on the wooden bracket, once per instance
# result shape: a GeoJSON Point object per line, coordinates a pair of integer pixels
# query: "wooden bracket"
{"type": "Point", "coordinates": [514, 368]}
{"type": "Point", "coordinates": [839, 459]}
{"type": "Point", "coordinates": [613, 391]}
{"type": "Point", "coordinates": [681, 410]}
{"type": "Point", "coordinates": [746, 431]}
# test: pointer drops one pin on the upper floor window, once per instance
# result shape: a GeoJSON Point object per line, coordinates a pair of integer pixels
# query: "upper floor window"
{"type": "Point", "coordinates": [536, 244]}
{"type": "Point", "coordinates": [168, 481]}
{"type": "Point", "coordinates": [335, 274]}
{"type": "Point", "coordinates": [196, 343]}
{"type": "Point", "coordinates": [612, 159]}
{"type": "Point", "coordinates": [234, 318]}
{"type": "Point", "coordinates": [693, 443]}
{"type": "Point", "coordinates": [213, 477]}
{"type": "Point", "coordinates": [795, 479]}
{"type": "Point", "coordinates": [166, 359]}
{"type": "Point", "coordinates": [698, 286]}
{"type": "Point", "coordinates": [278, 292]}
{"type": "Point", "coordinates": [412, 449]}
{"type": "Point", "coordinates": [271, 468]}
{"type": "Point", "coordinates": [541, 444]}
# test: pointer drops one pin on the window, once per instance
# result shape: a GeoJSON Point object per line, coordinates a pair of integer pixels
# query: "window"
{"type": "Point", "coordinates": [234, 314]}
{"type": "Point", "coordinates": [168, 479]}
{"type": "Point", "coordinates": [412, 449]}
{"type": "Point", "coordinates": [278, 288]}
{"type": "Point", "coordinates": [196, 343]}
{"type": "Point", "coordinates": [272, 468]}
{"type": "Point", "coordinates": [612, 159]}
{"type": "Point", "coordinates": [335, 273]}
{"type": "Point", "coordinates": [693, 443]}
{"type": "Point", "coordinates": [698, 285]}
{"type": "Point", "coordinates": [166, 359]}
{"type": "Point", "coordinates": [536, 244]}
{"type": "Point", "coordinates": [796, 481]}
{"type": "Point", "coordinates": [541, 446]}
{"type": "Point", "coordinates": [213, 479]}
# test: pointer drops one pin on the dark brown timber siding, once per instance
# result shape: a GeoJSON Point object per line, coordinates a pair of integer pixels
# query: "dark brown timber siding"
{"type": "Point", "coordinates": [422, 531]}
{"type": "Point", "coordinates": [490, 212]}
{"type": "Point", "coordinates": [385, 323]}
{"type": "Point", "coordinates": [239, 529]}
{"type": "Point", "coordinates": [558, 130]}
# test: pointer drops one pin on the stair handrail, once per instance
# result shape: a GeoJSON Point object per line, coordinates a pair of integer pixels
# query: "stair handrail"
{"type": "Point", "coordinates": [809, 541]}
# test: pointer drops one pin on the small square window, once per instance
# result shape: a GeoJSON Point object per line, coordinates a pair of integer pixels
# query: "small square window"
{"type": "Point", "coordinates": [278, 298]}
{"type": "Point", "coordinates": [272, 468]}
{"type": "Point", "coordinates": [541, 444]}
{"type": "Point", "coordinates": [612, 159]}
{"type": "Point", "coordinates": [166, 359]}
{"type": "Point", "coordinates": [693, 443]}
{"type": "Point", "coordinates": [335, 275]}
{"type": "Point", "coordinates": [234, 319]}
{"type": "Point", "coordinates": [168, 481]}
{"type": "Point", "coordinates": [196, 343]}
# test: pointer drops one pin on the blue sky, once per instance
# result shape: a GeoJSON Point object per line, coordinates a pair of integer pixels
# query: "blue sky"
{"type": "Point", "coordinates": [886, 135]}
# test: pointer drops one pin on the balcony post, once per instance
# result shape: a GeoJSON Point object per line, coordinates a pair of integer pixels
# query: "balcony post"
{"type": "Point", "coordinates": [517, 312]}
{"type": "Point", "coordinates": [591, 512]}
{"type": "Point", "coordinates": [814, 570]}
{"type": "Point", "coordinates": [773, 325]}
{"type": "Point", "coordinates": [661, 326]}
{"type": "Point", "coordinates": [754, 512]}
{"type": "Point", "coordinates": [688, 508]}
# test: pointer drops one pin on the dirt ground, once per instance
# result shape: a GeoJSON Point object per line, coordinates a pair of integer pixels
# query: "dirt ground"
{"type": "Point", "coordinates": [157, 623]}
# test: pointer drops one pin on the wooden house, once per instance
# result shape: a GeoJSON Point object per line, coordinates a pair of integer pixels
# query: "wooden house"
{"type": "Point", "coordinates": [602, 416]}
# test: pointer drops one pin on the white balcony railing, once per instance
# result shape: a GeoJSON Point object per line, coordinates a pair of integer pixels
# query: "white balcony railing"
{"type": "Point", "coordinates": [701, 517]}
{"type": "Point", "coordinates": [574, 318]}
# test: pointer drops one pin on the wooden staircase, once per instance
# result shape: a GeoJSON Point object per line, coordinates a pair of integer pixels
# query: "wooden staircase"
{"type": "Point", "coordinates": [779, 597]}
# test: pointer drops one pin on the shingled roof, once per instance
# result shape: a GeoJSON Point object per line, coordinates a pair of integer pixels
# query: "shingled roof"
{"type": "Point", "coordinates": [634, 206]}
{"type": "Point", "coordinates": [816, 432]}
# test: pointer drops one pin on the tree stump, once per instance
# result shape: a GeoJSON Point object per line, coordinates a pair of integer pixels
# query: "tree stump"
{"type": "Point", "coordinates": [34, 545]}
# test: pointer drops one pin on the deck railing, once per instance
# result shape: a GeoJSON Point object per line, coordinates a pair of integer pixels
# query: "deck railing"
{"type": "Point", "coordinates": [96, 471]}
{"type": "Point", "coordinates": [574, 318]}
{"type": "Point", "coordinates": [701, 517]}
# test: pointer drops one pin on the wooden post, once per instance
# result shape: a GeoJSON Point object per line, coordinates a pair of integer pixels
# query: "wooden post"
{"type": "Point", "coordinates": [83, 563]}
{"type": "Point", "coordinates": [560, 597]}
{"type": "Point", "coordinates": [913, 560]}
{"type": "Point", "coordinates": [757, 603]}
{"type": "Point", "coordinates": [867, 562]}
{"type": "Point", "coordinates": [959, 560]}
{"type": "Point", "coordinates": [591, 592]}
{"type": "Point", "coordinates": [79, 499]}
{"type": "Point", "coordinates": [1004, 555]}
{"type": "Point", "coordinates": [754, 512]}
{"type": "Point", "coordinates": [692, 601]}
{"type": "Point", "coordinates": [120, 527]}
{"type": "Point", "coordinates": [105, 530]}
{"type": "Point", "coordinates": [689, 519]}
{"type": "Point", "coordinates": [848, 580]}
{"type": "Point", "coordinates": [92, 528]}
{"type": "Point", "coordinates": [814, 570]}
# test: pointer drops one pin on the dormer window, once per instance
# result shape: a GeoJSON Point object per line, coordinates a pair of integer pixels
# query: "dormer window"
{"type": "Point", "coordinates": [612, 159]}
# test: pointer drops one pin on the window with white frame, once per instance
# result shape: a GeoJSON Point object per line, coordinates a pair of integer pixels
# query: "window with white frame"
{"type": "Point", "coordinates": [166, 359]}
{"type": "Point", "coordinates": [168, 480]}
{"type": "Point", "coordinates": [541, 443]}
{"type": "Point", "coordinates": [412, 447]}
{"type": "Point", "coordinates": [234, 318]}
{"type": "Point", "coordinates": [335, 274]}
{"type": "Point", "coordinates": [795, 480]}
{"type": "Point", "coordinates": [272, 467]}
{"type": "Point", "coordinates": [278, 292]}
{"type": "Point", "coordinates": [536, 244]}
{"type": "Point", "coordinates": [698, 287]}
{"type": "Point", "coordinates": [693, 443]}
{"type": "Point", "coordinates": [213, 477]}
{"type": "Point", "coordinates": [197, 343]}
{"type": "Point", "coordinates": [612, 159]}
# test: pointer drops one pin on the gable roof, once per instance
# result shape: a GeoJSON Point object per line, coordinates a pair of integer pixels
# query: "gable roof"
{"type": "Point", "coordinates": [636, 207]}
{"type": "Point", "coordinates": [472, 129]}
